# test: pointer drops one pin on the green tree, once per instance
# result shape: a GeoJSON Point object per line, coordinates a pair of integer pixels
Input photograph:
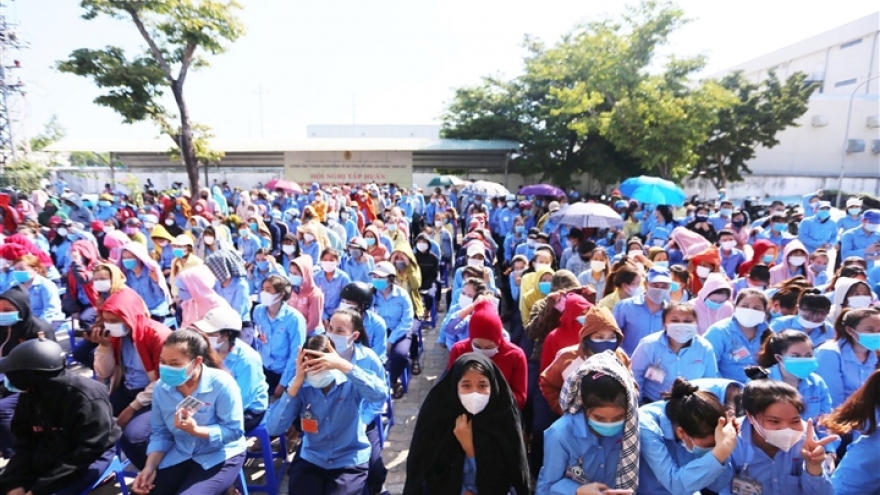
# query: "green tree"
{"type": "Point", "coordinates": [759, 113]}
{"type": "Point", "coordinates": [173, 30]}
{"type": "Point", "coordinates": [53, 132]}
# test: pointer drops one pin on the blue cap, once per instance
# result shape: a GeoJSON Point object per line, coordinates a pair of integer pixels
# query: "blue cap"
{"type": "Point", "coordinates": [872, 216]}
{"type": "Point", "coordinates": [659, 274]}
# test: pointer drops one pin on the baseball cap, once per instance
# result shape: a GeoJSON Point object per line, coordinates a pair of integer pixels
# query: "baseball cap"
{"type": "Point", "coordinates": [219, 318]}
{"type": "Point", "coordinates": [659, 274]}
{"type": "Point", "coordinates": [183, 240]}
{"type": "Point", "coordinates": [384, 269]}
{"type": "Point", "coordinates": [553, 206]}
{"type": "Point", "coordinates": [475, 249]}
{"type": "Point", "coordinates": [872, 216]}
{"type": "Point", "coordinates": [854, 202]}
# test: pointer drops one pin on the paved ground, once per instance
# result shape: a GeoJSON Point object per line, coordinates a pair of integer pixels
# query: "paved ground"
{"type": "Point", "coordinates": [406, 410]}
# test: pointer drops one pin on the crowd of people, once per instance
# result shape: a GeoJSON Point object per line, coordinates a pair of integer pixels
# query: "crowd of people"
{"type": "Point", "coordinates": [692, 349]}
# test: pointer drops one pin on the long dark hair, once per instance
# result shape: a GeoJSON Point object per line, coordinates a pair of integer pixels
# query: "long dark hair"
{"type": "Point", "coordinates": [695, 411]}
{"type": "Point", "coordinates": [194, 344]}
{"type": "Point", "coordinates": [859, 411]}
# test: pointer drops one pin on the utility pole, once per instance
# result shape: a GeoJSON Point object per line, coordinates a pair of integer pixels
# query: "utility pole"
{"type": "Point", "coordinates": [9, 40]}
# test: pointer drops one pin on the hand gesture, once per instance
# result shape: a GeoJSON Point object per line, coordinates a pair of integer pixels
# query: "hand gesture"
{"type": "Point", "coordinates": [331, 360]}
{"type": "Point", "coordinates": [725, 439]}
{"type": "Point", "coordinates": [464, 433]}
{"type": "Point", "coordinates": [143, 484]}
{"type": "Point", "coordinates": [99, 336]}
{"type": "Point", "coordinates": [300, 376]}
{"type": "Point", "coordinates": [813, 451]}
{"type": "Point", "coordinates": [592, 489]}
{"type": "Point", "coordinates": [184, 421]}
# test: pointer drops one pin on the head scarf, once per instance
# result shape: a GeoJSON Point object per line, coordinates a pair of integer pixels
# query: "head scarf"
{"type": "Point", "coordinates": [571, 402]}
{"type": "Point", "coordinates": [199, 282]}
{"type": "Point", "coordinates": [705, 316]}
{"type": "Point", "coordinates": [436, 459]}
{"type": "Point", "coordinates": [114, 242]}
{"type": "Point", "coordinates": [150, 265]}
{"type": "Point", "coordinates": [760, 248]}
{"type": "Point", "coordinates": [19, 245]}
{"type": "Point", "coordinates": [689, 243]}
{"type": "Point", "coordinates": [225, 265]}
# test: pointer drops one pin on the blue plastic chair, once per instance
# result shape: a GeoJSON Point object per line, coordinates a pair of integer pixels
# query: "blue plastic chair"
{"type": "Point", "coordinates": [385, 420]}
{"type": "Point", "coordinates": [114, 469]}
{"type": "Point", "coordinates": [273, 477]}
{"type": "Point", "coordinates": [243, 481]}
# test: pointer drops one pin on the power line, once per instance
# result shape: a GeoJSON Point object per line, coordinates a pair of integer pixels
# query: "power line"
{"type": "Point", "coordinates": [10, 85]}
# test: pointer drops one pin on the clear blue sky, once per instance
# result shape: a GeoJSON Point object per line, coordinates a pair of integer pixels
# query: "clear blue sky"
{"type": "Point", "coordinates": [374, 61]}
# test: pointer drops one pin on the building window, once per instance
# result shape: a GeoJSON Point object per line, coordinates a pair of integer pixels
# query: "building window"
{"type": "Point", "coordinates": [844, 83]}
{"type": "Point", "coordinates": [850, 43]}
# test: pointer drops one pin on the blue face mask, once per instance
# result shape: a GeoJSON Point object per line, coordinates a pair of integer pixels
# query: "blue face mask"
{"type": "Point", "coordinates": [696, 450]}
{"type": "Point", "coordinates": [661, 263]}
{"type": "Point", "coordinates": [774, 315]}
{"type": "Point", "coordinates": [606, 429]}
{"type": "Point", "coordinates": [854, 212]}
{"type": "Point", "coordinates": [21, 276]}
{"type": "Point", "coordinates": [10, 387]}
{"type": "Point", "coordinates": [178, 252]}
{"type": "Point", "coordinates": [675, 286]}
{"type": "Point", "coordinates": [599, 346]}
{"type": "Point", "coordinates": [370, 241]}
{"type": "Point", "coordinates": [800, 367]}
{"type": "Point", "coordinates": [183, 293]}
{"type": "Point", "coordinates": [519, 229]}
{"type": "Point", "coordinates": [780, 227]}
{"type": "Point", "coordinates": [725, 212]}
{"type": "Point", "coordinates": [380, 283]}
{"type": "Point", "coordinates": [638, 215]}
{"type": "Point", "coordinates": [263, 265]}
{"type": "Point", "coordinates": [172, 375]}
{"type": "Point", "coordinates": [823, 214]}
{"type": "Point", "coordinates": [130, 264]}
{"type": "Point", "coordinates": [870, 341]}
{"type": "Point", "coordinates": [9, 318]}
{"type": "Point", "coordinates": [713, 305]}
{"type": "Point", "coordinates": [544, 287]}
{"type": "Point", "coordinates": [296, 280]}
{"type": "Point", "coordinates": [768, 258]}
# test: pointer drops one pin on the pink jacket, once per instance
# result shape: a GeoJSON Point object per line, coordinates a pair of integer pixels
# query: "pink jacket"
{"type": "Point", "coordinates": [309, 300]}
{"type": "Point", "coordinates": [707, 317]}
{"type": "Point", "coordinates": [199, 281]}
{"type": "Point", "coordinates": [780, 272]}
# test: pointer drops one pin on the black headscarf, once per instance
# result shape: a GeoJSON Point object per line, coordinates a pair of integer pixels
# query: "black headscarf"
{"type": "Point", "coordinates": [436, 459]}
{"type": "Point", "coordinates": [28, 326]}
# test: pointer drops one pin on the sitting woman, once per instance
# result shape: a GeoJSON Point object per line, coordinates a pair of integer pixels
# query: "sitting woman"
{"type": "Point", "coordinates": [468, 438]}
{"type": "Point", "coordinates": [280, 331]}
{"type": "Point", "coordinates": [195, 291]}
{"type": "Point", "coordinates": [60, 450]}
{"type": "Point", "coordinates": [457, 321]}
{"type": "Point", "coordinates": [330, 395]}
{"type": "Point", "coordinates": [145, 277]}
{"type": "Point", "coordinates": [594, 447]}
{"type": "Point", "coordinates": [197, 443]}
{"type": "Point", "coordinates": [305, 296]}
{"type": "Point", "coordinates": [31, 274]}
{"type": "Point", "coordinates": [487, 338]}
{"type": "Point", "coordinates": [232, 285]}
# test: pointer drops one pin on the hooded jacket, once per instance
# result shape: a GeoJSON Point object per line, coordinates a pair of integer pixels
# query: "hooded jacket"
{"type": "Point", "coordinates": [569, 358]}
{"type": "Point", "coordinates": [530, 292]}
{"type": "Point", "coordinates": [707, 317]}
{"type": "Point", "coordinates": [47, 212]}
{"type": "Point", "coordinates": [511, 360]}
{"type": "Point", "coordinates": [28, 326]}
{"type": "Point", "coordinates": [147, 335]}
{"type": "Point", "coordinates": [710, 255]}
{"type": "Point", "coordinates": [55, 445]}
{"type": "Point", "coordinates": [759, 249]}
{"type": "Point", "coordinates": [377, 251]}
{"type": "Point", "coordinates": [689, 243]}
{"type": "Point", "coordinates": [544, 317]}
{"type": "Point", "coordinates": [779, 273]}
{"type": "Point", "coordinates": [411, 279]}
{"type": "Point", "coordinates": [841, 289]}
{"type": "Point", "coordinates": [199, 282]}
{"type": "Point", "coordinates": [566, 334]}
{"type": "Point", "coordinates": [309, 299]}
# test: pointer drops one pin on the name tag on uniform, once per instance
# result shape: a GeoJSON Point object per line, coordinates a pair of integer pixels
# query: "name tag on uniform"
{"type": "Point", "coordinates": [743, 485]}
{"type": "Point", "coordinates": [655, 374]}
{"type": "Point", "coordinates": [309, 422]}
{"type": "Point", "coordinates": [740, 353]}
{"type": "Point", "coordinates": [576, 474]}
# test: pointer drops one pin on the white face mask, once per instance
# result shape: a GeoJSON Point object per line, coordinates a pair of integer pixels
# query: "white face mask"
{"type": "Point", "coordinates": [703, 271]}
{"type": "Point", "coordinates": [540, 266]}
{"type": "Point", "coordinates": [328, 266]}
{"type": "Point", "coordinates": [634, 252]}
{"type": "Point", "coordinates": [288, 249]}
{"type": "Point", "coordinates": [486, 352]}
{"type": "Point", "coordinates": [597, 266]}
{"type": "Point", "coordinates": [749, 317]}
{"type": "Point", "coordinates": [215, 342]}
{"type": "Point", "coordinates": [476, 262]}
{"type": "Point", "coordinates": [62, 232]}
{"type": "Point", "coordinates": [340, 342]}
{"type": "Point", "coordinates": [116, 329]}
{"type": "Point", "coordinates": [422, 246]}
{"type": "Point", "coordinates": [209, 240]}
{"type": "Point", "coordinates": [858, 302]}
{"type": "Point", "coordinates": [681, 332]}
{"type": "Point", "coordinates": [797, 260]}
{"type": "Point", "coordinates": [101, 285]}
{"type": "Point", "coordinates": [809, 325]}
{"type": "Point", "coordinates": [267, 299]}
{"type": "Point", "coordinates": [474, 402]}
{"type": "Point", "coordinates": [784, 439]}
{"type": "Point", "coordinates": [728, 245]}
{"type": "Point", "coordinates": [309, 237]}
{"type": "Point", "coordinates": [465, 301]}
{"type": "Point", "coordinates": [169, 222]}
{"type": "Point", "coordinates": [109, 228]}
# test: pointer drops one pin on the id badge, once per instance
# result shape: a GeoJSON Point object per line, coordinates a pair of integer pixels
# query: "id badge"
{"type": "Point", "coordinates": [742, 485]}
{"type": "Point", "coordinates": [191, 404]}
{"type": "Point", "coordinates": [740, 353]}
{"type": "Point", "coordinates": [309, 423]}
{"type": "Point", "coordinates": [576, 474]}
{"type": "Point", "coordinates": [655, 374]}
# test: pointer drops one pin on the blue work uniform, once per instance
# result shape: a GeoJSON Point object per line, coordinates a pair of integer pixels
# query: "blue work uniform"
{"type": "Point", "coordinates": [331, 288]}
{"type": "Point", "coordinates": [854, 241]}
{"type": "Point", "coordinates": [247, 368]}
{"type": "Point", "coordinates": [248, 246]}
{"type": "Point", "coordinates": [857, 472]}
{"type": "Point", "coordinates": [818, 335]}
{"type": "Point", "coordinates": [655, 367]}
{"type": "Point", "coordinates": [45, 301]}
{"type": "Point", "coordinates": [733, 351]}
{"type": "Point", "coordinates": [377, 333]}
{"type": "Point", "coordinates": [151, 292]}
{"type": "Point", "coordinates": [815, 233]}
{"type": "Point", "coordinates": [397, 312]}
{"type": "Point", "coordinates": [284, 336]}
{"type": "Point", "coordinates": [842, 370]}
{"type": "Point", "coordinates": [636, 321]}
{"type": "Point", "coordinates": [237, 294]}
{"type": "Point", "coordinates": [221, 413]}
{"type": "Point", "coordinates": [569, 444]}
{"type": "Point", "coordinates": [730, 261]}
{"type": "Point", "coordinates": [814, 392]}
{"type": "Point", "coordinates": [358, 270]}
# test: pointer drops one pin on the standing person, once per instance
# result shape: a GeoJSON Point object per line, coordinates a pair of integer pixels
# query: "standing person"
{"type": "Point", "coordinates": [595, 445]}
{"type": "Point", "coordinates": [858, 471]}
{"type": "Point", "coordinates": [331, 395]}
{"type": "Point", "coordinates": [198, 448]}
{"type": "Point", "coordinates": [467, 437]}
{"type": "Point", "coordinates": [223, 326]}
{"type": "Point", "coordinates": [60, 450]}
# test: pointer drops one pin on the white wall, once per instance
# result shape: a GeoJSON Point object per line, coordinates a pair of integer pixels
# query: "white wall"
{"type": "Point", "coordinates": [781, 186]}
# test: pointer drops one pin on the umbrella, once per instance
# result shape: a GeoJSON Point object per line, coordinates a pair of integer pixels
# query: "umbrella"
{"type": "Point", "coordinates": [445, 180]}
{"type": "Point", "coordinates": [485, 188]}
{"type": "Point", "coordinates": [653, 190]}
{"type": "Point", "coordinates": [542, 190]}
{"type": "Point", "coordinates": [588, 215]}
{"type": "Point", "coordinates": [284, 184]}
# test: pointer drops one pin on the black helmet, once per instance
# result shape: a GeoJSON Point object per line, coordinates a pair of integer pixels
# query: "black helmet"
{"type": "Point", "coordinates": [34, 355]}
{"type": "Point", "coordinates": [358, 293]}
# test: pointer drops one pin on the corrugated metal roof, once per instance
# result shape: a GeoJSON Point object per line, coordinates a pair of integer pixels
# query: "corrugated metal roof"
{"type": "Point", "coordinates": [268, 145]}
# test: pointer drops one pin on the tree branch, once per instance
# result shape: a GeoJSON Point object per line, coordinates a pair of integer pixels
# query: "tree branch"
{"type": "Point", "coordinates": [187, 61]}
{"type": "Point", "coordinates": [154, 49]}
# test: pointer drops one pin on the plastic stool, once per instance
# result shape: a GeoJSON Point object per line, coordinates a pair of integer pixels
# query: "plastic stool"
{"type": "Point", "coordinates": [114, 469]}
{"type": "Point", "coordinates": [273, 478]}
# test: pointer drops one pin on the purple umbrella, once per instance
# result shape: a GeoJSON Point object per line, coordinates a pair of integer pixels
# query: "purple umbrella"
{"type": "Point", "coordinates": [542, 190]}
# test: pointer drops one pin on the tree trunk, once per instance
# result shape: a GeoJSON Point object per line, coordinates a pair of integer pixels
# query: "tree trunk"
{"type": "Point", "coordinates": [187, 150]}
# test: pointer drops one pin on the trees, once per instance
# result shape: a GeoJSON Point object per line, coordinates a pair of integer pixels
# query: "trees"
{"type": "Point", "coordinates": [759, 113]}
{"type": "Point", "coordinates": [173, 30]}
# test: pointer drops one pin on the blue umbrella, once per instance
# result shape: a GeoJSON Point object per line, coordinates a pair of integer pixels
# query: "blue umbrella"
{"type": "Point", "coordinates": [653, 190]}
{"type": "Point", "coordinates": [588, 215]}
